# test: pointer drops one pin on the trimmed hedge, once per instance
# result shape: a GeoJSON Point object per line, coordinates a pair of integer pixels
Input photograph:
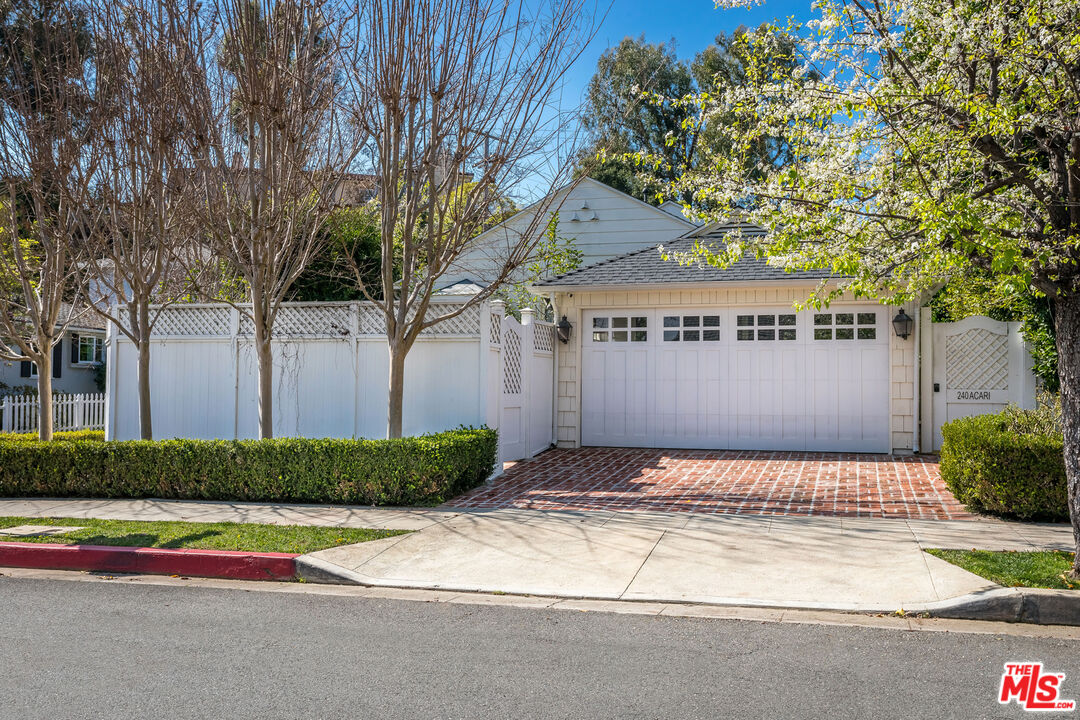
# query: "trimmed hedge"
{"type": "Point", "coordinates": [424, 470]}
{"type": "Point", "coordinates": [70, 436]}
{"type": "Point", "coordinates": [1011, 464]}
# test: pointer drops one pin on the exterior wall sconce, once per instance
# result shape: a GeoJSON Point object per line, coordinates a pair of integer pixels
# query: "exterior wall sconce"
{"type": "Point", "coordinates": [902, 324]}
{"type": "Point", "coordinates": [563, 330]}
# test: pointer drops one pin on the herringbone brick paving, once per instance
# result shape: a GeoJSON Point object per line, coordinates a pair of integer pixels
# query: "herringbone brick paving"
{"type": "Point", "coordinates": [729, 482]}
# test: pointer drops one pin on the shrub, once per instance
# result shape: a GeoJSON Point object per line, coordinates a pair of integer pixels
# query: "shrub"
{"type": "Point", "coordinates": [1010, 464]}
{"type": "Point", "coordinates": [423, 470]}
{"type": "Point", "coordinates": [70, 436]}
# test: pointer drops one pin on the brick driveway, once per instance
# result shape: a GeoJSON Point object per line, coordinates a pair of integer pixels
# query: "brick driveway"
{"type": "Point", "coordinates": [732, 482]}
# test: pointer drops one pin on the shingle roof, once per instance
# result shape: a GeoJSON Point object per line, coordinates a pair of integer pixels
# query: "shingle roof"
{"type": "Point", "coordinates": [647, 267]}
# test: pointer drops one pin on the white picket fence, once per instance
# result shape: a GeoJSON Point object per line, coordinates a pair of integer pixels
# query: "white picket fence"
{"type": "Point", "coordinates": [19, 414]}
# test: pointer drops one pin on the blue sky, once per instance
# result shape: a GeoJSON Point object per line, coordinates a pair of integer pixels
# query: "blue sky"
{"type": "Point", "coordinates": [692, 23]}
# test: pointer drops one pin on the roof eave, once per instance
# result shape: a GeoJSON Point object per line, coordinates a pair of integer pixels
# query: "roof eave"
{"type": "Point", "coordinates": [673, 286]}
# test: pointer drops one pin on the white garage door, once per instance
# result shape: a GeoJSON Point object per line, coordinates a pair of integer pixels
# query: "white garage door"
{"type": "Point", "coordinates": [739, 378]}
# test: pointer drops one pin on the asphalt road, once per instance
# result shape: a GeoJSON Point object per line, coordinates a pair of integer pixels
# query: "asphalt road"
{"type": "Point", "coordinates": [100, 650]}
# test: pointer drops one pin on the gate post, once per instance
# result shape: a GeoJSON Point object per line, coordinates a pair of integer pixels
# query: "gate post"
{"type": "Point", "coordinates": [528, 318]}
{"type": "Point", "coordinates": [5, 415]}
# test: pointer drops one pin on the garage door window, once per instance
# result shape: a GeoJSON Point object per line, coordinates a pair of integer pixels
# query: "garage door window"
{"type": "Point", "coordinates": [632, 328]}
{"type": "Point", "coordinates": [845, 326]}
{"type": "Point", "coordinates": [765, 327]}
{"type": "Point", "coordinates": [692, 328]}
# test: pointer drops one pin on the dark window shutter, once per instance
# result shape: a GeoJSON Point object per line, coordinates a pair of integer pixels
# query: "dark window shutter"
{"type": "Point", "coordinates": [24, 368]}
{"type": "Point", "coordinates": [58, 359]}
{"type": "Point", "coordinates": [74, 347]}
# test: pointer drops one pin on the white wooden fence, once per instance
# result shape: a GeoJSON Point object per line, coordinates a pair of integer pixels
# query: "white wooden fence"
{"type": "Point", "coordinates": [19, 413]}
{"type": "Point", "coordinates": [331, 368]}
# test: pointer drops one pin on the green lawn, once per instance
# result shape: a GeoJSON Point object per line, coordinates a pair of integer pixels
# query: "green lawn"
{"type": "Point", "coordinates": [1015, 569]}
{"type": "Point", "coordinates": [210, 536]}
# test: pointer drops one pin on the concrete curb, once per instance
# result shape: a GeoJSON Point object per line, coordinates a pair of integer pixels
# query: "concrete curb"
{"type": "Point", "coordinates": [150, 561]}
{"type": "Point", "coordinates": [1027, 605]}
{"type": "Point", "coordinates": [1015, 605]}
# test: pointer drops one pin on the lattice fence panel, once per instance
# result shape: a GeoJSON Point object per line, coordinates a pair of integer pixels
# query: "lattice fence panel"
{"type": "Point", "coordinates": [977, 359]}
{"type": "Point", "coordinates": [306, 321]}
{"type": "Point", "coordinates": [372, 321]}
{"type": "Point", "coordinates": [496, 328]}
{"type": "Point", "coordinates": [511, 362]}
{"type": "Point", "coordinates": [543, 337]}
{"type": "Point", "coordinates": [467, 323]}
{"type": "Point", "coordinates": [180, 321]}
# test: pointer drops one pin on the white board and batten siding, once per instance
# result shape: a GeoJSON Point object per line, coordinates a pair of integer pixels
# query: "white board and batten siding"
{"type": "Point", "coordinates": [761, 378]}
{"type": "Point", "coordinates": [603, 222]}
{"type": "Point", "coordinates": [331, 368]}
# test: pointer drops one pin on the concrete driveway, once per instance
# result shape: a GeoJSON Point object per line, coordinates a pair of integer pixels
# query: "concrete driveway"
{"type": "Point", "coordinates": [724, 482]}
{"type": "Point", "coordinates": [807, 562]}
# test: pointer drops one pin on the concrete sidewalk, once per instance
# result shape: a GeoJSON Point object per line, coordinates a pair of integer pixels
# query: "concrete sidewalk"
{"type": "Point", "coordinates": [798, 562]}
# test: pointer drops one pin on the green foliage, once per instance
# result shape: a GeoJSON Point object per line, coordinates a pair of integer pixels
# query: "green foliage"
{"type": "Point", "coordinates": [554, 255]}
{"type": "Point", "coordinates": [1047, 569]}
{"type": "Point", "coordinates": [215, 280]}
{"type": "Point", "coordinates": [936, 139]}
{"type": "Point", "coordinates": [43, 45]}
{"type": "Point", "coordinates": [1009, 464]}
{"type": "Point", "coordinates": [244, 537]}
{"type": "Point", "coordinates": [980, 293]}
{"type": "Point", "coordinates": [71, 436]}
{"type": "Point", "coordinates": [644, 113]}
{"type": "Point", "coordinates": [424, 470]}
{"type": "Point", "coordinates": [352, 245]}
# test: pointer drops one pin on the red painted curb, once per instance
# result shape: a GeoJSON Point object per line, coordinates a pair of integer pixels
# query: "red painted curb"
{"type": "Point", "coordinates": [150, 561]}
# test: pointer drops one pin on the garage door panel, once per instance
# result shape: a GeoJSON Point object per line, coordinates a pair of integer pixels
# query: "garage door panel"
{"type": "Point", "coordinates": [741, 378]}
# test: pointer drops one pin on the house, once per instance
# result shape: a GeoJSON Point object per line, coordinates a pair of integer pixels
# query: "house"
{"type": "Point", "coordinates": [666, 355]}
{"type": "Point", "coordinates": [647, 353]}
{"type": "Point", "coordinates": [76, 359]}
{"type": "Point", "coordinates": [602, 221]}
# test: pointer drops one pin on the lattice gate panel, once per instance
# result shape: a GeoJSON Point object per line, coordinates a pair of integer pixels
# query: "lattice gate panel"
{"type": "Point", "coordinates": [511, 362]}
{"type": "Point", "coordinates": [543, 337]}
{"type": "Point", "coordinates": [977, 359]}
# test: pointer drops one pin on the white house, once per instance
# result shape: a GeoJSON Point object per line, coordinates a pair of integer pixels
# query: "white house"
{"type": "Point", "coordinates": [651, 354]}
{"type": "Point", "coordinates": [602, 221]}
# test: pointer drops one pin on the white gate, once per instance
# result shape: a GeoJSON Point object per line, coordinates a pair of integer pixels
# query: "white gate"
{"type": "Point", "coordinates": [979, 366]}
{"type": "Point", "coordinates": [512, 423]}
{"type": "Point", "coordinates": [525, 417]}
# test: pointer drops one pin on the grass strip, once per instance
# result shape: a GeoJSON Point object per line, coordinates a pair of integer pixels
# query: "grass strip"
{"type": "Point", "coordinates": [248, 537]}
{"type": "Point", "coordinates": [1043, 569]}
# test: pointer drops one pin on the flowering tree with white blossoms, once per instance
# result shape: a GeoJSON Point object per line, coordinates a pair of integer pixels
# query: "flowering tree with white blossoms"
{"type": "Point", "coordinates": [929, 139]}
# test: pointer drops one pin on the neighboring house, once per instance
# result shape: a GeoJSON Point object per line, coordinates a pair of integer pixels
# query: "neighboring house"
{"type": "Point", "coordinates": [75, 360]}
{"type": "Point", "coordinates": [602, 221]}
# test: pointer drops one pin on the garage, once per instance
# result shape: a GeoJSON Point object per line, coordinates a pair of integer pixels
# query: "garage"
{"type": "Point", "coordinates": [736, 377]}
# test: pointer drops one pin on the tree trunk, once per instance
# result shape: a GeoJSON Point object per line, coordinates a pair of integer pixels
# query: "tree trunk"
{"type": "Point", "coordinates": [146, 426]}
{"type": "Point", "coordinates": [45, 405]}
{"type": "Point", "coordinates": [266, 383]}
{"type": "Point", "coordinates": [1067, 329]}
{"type": "Point", "coordinates": [397, 389]}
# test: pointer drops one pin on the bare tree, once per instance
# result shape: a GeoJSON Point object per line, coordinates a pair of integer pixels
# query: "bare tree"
{"type": "Point", "coordinates": [274, 148]}
{"type": "Point", "coordinates": [462, 107]}
{"type": "Point", "coordinates": [144, 56]}
{"type": "Point", "coordinates": [46, 115]}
